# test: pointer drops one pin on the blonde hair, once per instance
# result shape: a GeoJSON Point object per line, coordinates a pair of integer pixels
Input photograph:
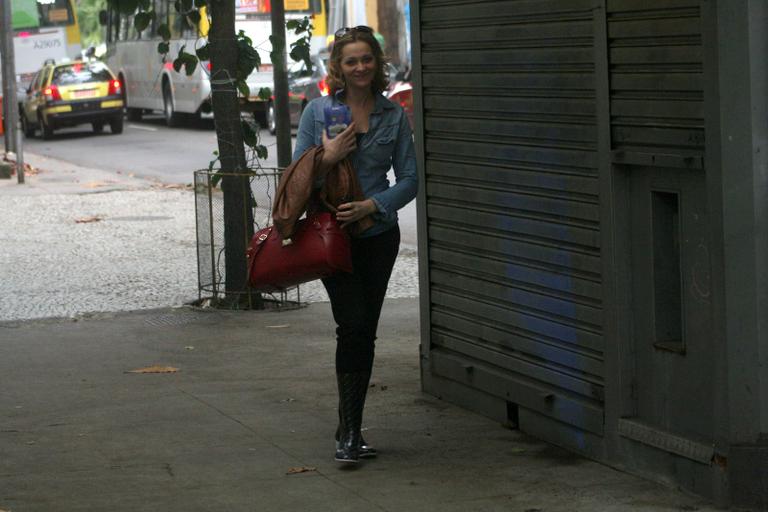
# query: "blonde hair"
{"type": "Point", "coordinates": [335, 79]}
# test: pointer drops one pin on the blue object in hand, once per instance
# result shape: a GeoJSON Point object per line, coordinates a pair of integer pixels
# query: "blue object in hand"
{"type": "Point", "coordinates": [337, 118]}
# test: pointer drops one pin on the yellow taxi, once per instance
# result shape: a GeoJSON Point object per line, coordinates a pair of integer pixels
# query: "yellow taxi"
{"type": "Point", "coordinates": [72, 93]}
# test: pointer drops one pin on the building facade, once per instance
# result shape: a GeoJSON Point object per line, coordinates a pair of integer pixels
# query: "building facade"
{"type": "Point", "coordinates": [593, 228]}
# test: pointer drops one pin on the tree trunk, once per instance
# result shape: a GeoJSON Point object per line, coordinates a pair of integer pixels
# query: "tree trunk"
{"type": "Point", "coordinates": [389, 27]}
{"type": "Point", "coordinates": [238, 216]}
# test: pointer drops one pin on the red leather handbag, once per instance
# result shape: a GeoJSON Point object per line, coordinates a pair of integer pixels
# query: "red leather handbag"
{"type": "Point", "coordinates": [318, 248]}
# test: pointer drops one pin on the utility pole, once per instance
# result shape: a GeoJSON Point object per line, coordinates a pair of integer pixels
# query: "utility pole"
{"type": "Point", "coordinates": [282, 114]}
{"type": "Point", "coordinates": [11, 111]}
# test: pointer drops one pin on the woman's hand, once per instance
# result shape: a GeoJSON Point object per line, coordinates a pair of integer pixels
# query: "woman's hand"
{"type": "Point", "coordinates": [354, 211]}
{"type": "Point", "coordinates": [340, 146]}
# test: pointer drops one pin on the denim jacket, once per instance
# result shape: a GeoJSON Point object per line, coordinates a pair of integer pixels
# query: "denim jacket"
{"type": "Point", "coordinates": [387, 143]}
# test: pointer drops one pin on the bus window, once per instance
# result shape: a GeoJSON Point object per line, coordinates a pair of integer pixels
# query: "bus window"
{"type": "Point", "coordinates": [180, 27]}
{"type": "Point", "coordinates": [29, 14]}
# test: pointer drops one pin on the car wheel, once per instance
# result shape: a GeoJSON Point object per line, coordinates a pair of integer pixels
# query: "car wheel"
{"type": "Point", "coordinates": [116, 125]}
{"type": "Point", "coordinates": [98, 126]}
{"type": "Point", "coordinates": [171, 116]}
{"type": "Point", "coordinates": [29, 131]}
{"type": "Point", "coordinates": [134, 114]}
{"type": "Point", "coordinates": [271, 119]}
{"type": "Point", "coordinates": [45, 128]}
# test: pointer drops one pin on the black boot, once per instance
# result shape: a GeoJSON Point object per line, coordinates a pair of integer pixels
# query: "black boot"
{"type": "Point", "coordinates": [366, 451]}
{"type": "Point", "coordinates": [352, 390]}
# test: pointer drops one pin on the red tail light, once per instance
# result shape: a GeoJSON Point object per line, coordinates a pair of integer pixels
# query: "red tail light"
{"type": "Point", "coordinates": [52, 93]}
{"type": "Point", "coordinates": [114, 87]}
{"type": "Point", "coordinates": [208, 65]}
{"type": "Point", "coordinates": [324, 89]}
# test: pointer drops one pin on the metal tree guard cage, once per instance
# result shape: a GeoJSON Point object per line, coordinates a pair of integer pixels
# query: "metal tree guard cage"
{"type": "Point", "coordinates": [209, 215]}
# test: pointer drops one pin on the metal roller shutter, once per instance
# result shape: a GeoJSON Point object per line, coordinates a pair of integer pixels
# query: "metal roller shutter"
{"type": "Point", "coordinates": [510, 141]}
{"type": "Point", "coordinates": [656, 73]}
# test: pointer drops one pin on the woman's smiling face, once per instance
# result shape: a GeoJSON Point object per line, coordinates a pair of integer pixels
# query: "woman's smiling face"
{"type": "Point", "coordinates": [358, 65]}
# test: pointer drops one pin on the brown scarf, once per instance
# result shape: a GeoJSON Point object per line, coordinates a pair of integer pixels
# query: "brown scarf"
{"type": "Point", "coordinates": [296, 192]}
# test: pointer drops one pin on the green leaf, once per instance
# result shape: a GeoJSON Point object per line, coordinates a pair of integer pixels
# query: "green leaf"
{"type": "Point", "coordinates": [177, 5]}
{"type": "Point", "coordinates": [241, 36]}
{"type": "Point", "coordinates": [265, 93]}
{"type": "Point", "coordinates": [203, 53]}
{"type": "Point", "coordinates": [303, 25]}
{"type": "Point", "coordinates": [261, 152]}
{"type": "Point", "coordinates": [142, 20]}
{"type": "Point", "coordinates": [190, 63]}
{"type": "Point", "coordinates": [164, 32]}
{"type": "Point", "coordinates": [164, 47]}
{"type": "Point", "coordinates": [245, 91]}
{"type": "Point", "coordinates": [216, 178]}
{"type": "Point", "coordinates": [292, 24]}
{"type": "Point", "coordinates": [177, 64]}
{"type": "Point", "coordinates": [247, 56]}
{"type": "Point", "coordinates": [249, 134]}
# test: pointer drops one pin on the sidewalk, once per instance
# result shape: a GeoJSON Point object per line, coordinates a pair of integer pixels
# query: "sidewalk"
{"type": "Point", "coordinates": [75, 239]}
{"type": "Point", "coordinates": [253, 400]}
{"type": "Point", "coordinates": [246, 422]}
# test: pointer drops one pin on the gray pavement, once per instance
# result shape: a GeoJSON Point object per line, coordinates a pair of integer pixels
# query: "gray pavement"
{"type": "Point", "coordinates": [137, 252]}
{"type": "Point", "coordinates": [253, 400]}
{"type": "Point", "coordinates": [246, 421]}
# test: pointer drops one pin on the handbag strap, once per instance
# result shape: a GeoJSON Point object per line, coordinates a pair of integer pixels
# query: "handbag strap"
{"type": "Point", "coordinates": [253, 250]}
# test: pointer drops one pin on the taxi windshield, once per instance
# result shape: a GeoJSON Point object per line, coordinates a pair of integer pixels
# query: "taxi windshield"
{"type": "Point", "coordinates": [80, 73]}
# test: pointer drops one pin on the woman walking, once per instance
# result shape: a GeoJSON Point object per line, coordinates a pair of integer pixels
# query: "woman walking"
{"type": "Point", "coordinates": [379, 138]}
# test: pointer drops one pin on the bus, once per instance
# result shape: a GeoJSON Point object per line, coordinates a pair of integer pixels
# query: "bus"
{"type": "Point", "coordinates": [44, 31]}
{"type": "Point", "coordinates": [151, 84]}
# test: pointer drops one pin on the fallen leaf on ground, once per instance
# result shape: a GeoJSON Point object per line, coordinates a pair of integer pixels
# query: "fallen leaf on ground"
{"type": "Point", "coordinates": [173, 186]}
{"type": "Point", "coordinates": [300, 469]}
{"type": "Point", "coordinates": [84, 220]}
{"type": "Point", "coordinates": [96, 184]}
{"type": "Point", "coordinates": [155, 369]}
{"type": "Point", "coordinates": [281, 326]}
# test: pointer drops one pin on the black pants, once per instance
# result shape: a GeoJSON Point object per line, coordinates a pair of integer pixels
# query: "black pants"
{"type": "Point", "coordinates": [356, 299]}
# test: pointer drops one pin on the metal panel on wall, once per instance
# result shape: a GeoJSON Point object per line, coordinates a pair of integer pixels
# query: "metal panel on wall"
{"type": "Point", "coordinates": [510, 142]}
{"type": "Point", "coordinates": [658, 138]}
{"type": "Point", "coordinates": [657, 86]}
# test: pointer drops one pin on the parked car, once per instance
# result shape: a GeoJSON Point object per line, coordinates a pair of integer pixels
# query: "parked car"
{"type": "Point", "coordinates": [400, 91]}
{"type": "Point", "coordinates": [70, 94]}
{"type": "Point", "coordinates": [303, 87]}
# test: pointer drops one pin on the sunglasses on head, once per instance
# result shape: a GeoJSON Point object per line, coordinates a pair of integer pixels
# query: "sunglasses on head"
{"type": "Point", "coordinates": [346, 30]}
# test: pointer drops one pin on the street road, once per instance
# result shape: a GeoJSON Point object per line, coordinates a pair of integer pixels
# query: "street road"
{"type": "Point", "coordinates": [149, 149]}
